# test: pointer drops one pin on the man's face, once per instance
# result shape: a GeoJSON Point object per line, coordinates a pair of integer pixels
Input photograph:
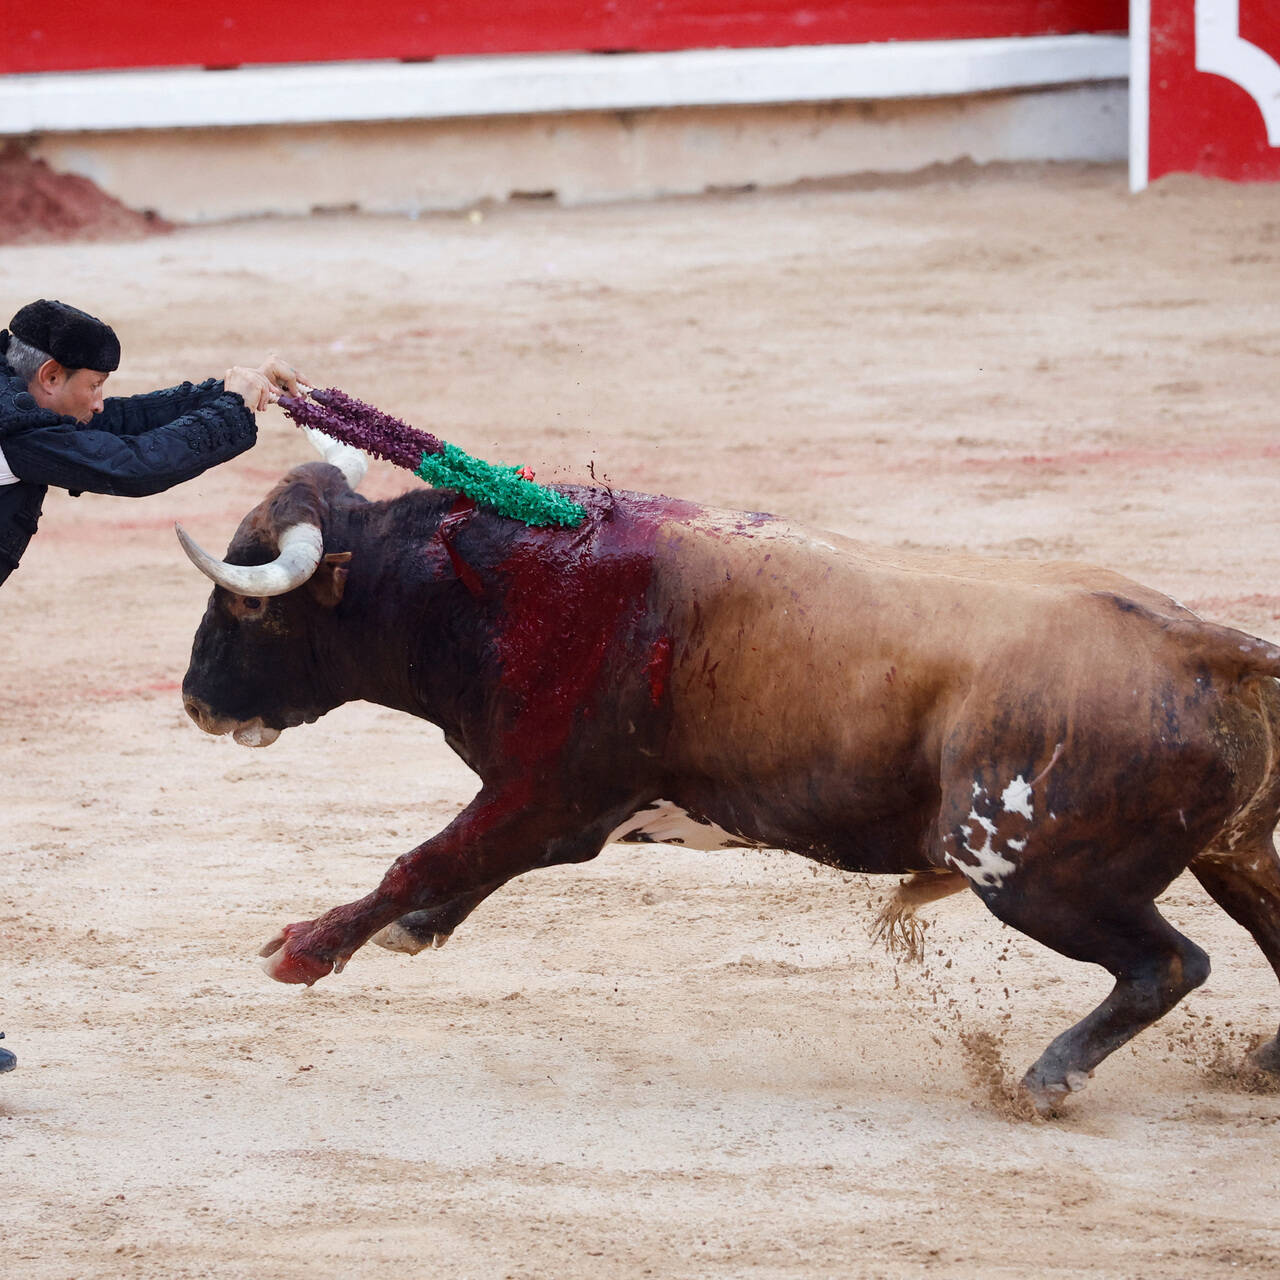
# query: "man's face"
{"type": "Point", "coordinates": [75, 395]}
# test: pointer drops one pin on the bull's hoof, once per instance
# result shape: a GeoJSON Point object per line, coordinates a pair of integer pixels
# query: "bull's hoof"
{"type": "Point", "coordinates": [1045, 1101]}
{"type": "Point", "coordinates": [1047, 1096]}
{"type": "Point", "coordinates": [395, 937]}
{"type": "Point", "coordinates": [285, 959]}
{"type": "Point", "coordinates": [1266, 1057]}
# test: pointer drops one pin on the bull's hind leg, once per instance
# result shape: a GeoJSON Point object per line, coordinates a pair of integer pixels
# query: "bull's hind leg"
{"type": "Point", "coordinates": [1245, 883]}
{"type": "Point", "coordinates": [1153, 964]}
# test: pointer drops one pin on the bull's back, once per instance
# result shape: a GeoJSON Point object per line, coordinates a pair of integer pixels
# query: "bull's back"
{"type": "Point", "coordinates": [798, 655]}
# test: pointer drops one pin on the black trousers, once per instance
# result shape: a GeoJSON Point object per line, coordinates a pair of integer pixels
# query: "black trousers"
{"type": "Point", "coordinates": [20, 507]}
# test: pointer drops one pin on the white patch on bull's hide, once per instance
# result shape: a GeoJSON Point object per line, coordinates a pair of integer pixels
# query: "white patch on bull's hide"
{"type": "Point", "coordinates": [992, 866]}
{"type": "Point", "coordinates": [665, 823]}
{"type": "Point", "coordinates": [1017, 797]}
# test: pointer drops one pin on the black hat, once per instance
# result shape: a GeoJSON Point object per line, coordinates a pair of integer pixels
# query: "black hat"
{"type": "Point", "coordinates": [72, 337]}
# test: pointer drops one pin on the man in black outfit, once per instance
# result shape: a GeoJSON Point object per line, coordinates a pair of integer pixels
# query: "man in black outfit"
{"type": "Point", "coordinates": [57, 429]}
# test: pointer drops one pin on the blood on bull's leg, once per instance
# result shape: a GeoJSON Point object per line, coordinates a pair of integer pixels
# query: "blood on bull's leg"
{"type": "Point", "coordinates": [501, 834]}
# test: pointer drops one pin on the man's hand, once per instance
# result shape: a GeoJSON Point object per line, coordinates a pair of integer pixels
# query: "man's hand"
{"type": "Point", "coordinates": [261, 386]}
{"type": "Point", "coordinates": [252, 386]}
{"type": "Point", "coordinates": [283, 376]}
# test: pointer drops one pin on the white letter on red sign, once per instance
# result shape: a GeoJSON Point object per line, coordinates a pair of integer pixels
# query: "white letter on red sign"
{"type": "Point", "coordinates": [1221, 51]}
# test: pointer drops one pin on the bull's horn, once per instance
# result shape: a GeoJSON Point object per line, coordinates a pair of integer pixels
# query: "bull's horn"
{"type": "Point", "coordinates": [301, 546]}
{"type": "Point", "coordinates": [347, 458]}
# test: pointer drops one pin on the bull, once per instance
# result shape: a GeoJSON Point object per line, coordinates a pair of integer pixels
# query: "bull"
{"type": "Point", "coordinates": [1055, 738]}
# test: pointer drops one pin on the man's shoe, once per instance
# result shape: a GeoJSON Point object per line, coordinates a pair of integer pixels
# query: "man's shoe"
{"type": "Point", "coordinates": [7, 1060]}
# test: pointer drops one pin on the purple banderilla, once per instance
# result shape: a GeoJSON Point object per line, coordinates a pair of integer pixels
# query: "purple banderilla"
{"type": "Point", "coordinates": [352, 421]}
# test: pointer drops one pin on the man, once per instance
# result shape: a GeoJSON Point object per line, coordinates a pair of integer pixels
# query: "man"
{"type": "Point", "coordinates": [57, 429]}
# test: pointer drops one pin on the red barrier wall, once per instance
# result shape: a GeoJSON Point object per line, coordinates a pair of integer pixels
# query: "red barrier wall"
{"type": "Point", "coordinates": [73, 35]}
{"type": "Point", "coordinates": [1206, 123]}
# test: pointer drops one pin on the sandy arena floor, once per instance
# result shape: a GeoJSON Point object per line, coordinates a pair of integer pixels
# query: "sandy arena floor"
{"type": "Point", "coordinates": [663, 1063]}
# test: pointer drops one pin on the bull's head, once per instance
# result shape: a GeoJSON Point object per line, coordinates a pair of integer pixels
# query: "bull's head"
{"type": "Point", "coordinates": [253, 668]}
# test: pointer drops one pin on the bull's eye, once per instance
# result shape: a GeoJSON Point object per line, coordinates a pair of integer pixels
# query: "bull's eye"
{"type": "Point", "coordinates": [252, 602]}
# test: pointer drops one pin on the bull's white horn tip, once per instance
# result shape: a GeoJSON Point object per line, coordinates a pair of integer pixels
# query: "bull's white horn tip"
{"type": "Point", "coordinates": [301, 548]}
{"type": "Point", "coordinates": [189, 544]}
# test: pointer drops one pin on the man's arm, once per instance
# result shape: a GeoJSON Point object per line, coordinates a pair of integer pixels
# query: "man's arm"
{"type": "Point", "coordinates": [136, 415]}
{"type": "Point", "coordinates": [140, 445]}
{"type": "Point", "coordinates": [95, 460]}
{"type": "Point", "coordinates": [133, 415]}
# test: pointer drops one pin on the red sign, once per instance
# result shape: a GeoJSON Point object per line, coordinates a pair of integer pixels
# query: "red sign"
{"type": "Point", "coordinates": [1207, 99]}
{"type": "Point", "coordinates": [71, 35]}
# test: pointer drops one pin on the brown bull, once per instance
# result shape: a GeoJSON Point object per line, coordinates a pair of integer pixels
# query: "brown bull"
{"type": "Point", "coordinates": [1056, 738]}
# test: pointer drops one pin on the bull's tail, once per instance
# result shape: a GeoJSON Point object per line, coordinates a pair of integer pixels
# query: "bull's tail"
{"type": "Point", "coordinates": [1216, 646]}
{"type": "Point", "coordinates": [897, 925]}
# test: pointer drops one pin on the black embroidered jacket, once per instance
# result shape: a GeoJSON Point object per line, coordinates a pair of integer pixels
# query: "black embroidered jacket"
{"type": "Point", "coordinates": [137, 445]}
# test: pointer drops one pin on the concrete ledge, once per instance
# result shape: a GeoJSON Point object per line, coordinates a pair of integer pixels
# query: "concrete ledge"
{"type": "Point", "coordinates": [453, 88]}
{"type": "Point", "coordinates": [412, 167]}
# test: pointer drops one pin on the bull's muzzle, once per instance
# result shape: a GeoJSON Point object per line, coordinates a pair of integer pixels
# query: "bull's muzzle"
{"type": "Point", "coordinates": [248, 733]}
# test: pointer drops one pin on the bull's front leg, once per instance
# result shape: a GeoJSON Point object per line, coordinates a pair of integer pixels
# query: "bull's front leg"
{"type": "Point", "coordinates": [433, 927]}
{"type": "Point", "coordinates": [504, 832]}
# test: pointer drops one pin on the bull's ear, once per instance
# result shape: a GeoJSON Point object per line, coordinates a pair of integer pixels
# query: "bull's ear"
{"type": "Point", "coordinates": [330, 578]}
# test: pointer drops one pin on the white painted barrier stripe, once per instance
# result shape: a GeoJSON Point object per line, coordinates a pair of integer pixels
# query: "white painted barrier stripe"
{"type": "Point", "coordinates": [522, 84]}
{"type": "Point", "coordinates": [1139, 94]}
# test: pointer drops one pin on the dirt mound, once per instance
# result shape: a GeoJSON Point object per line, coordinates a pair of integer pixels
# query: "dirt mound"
{"type": "Point", "coordinates": [40, 206]}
